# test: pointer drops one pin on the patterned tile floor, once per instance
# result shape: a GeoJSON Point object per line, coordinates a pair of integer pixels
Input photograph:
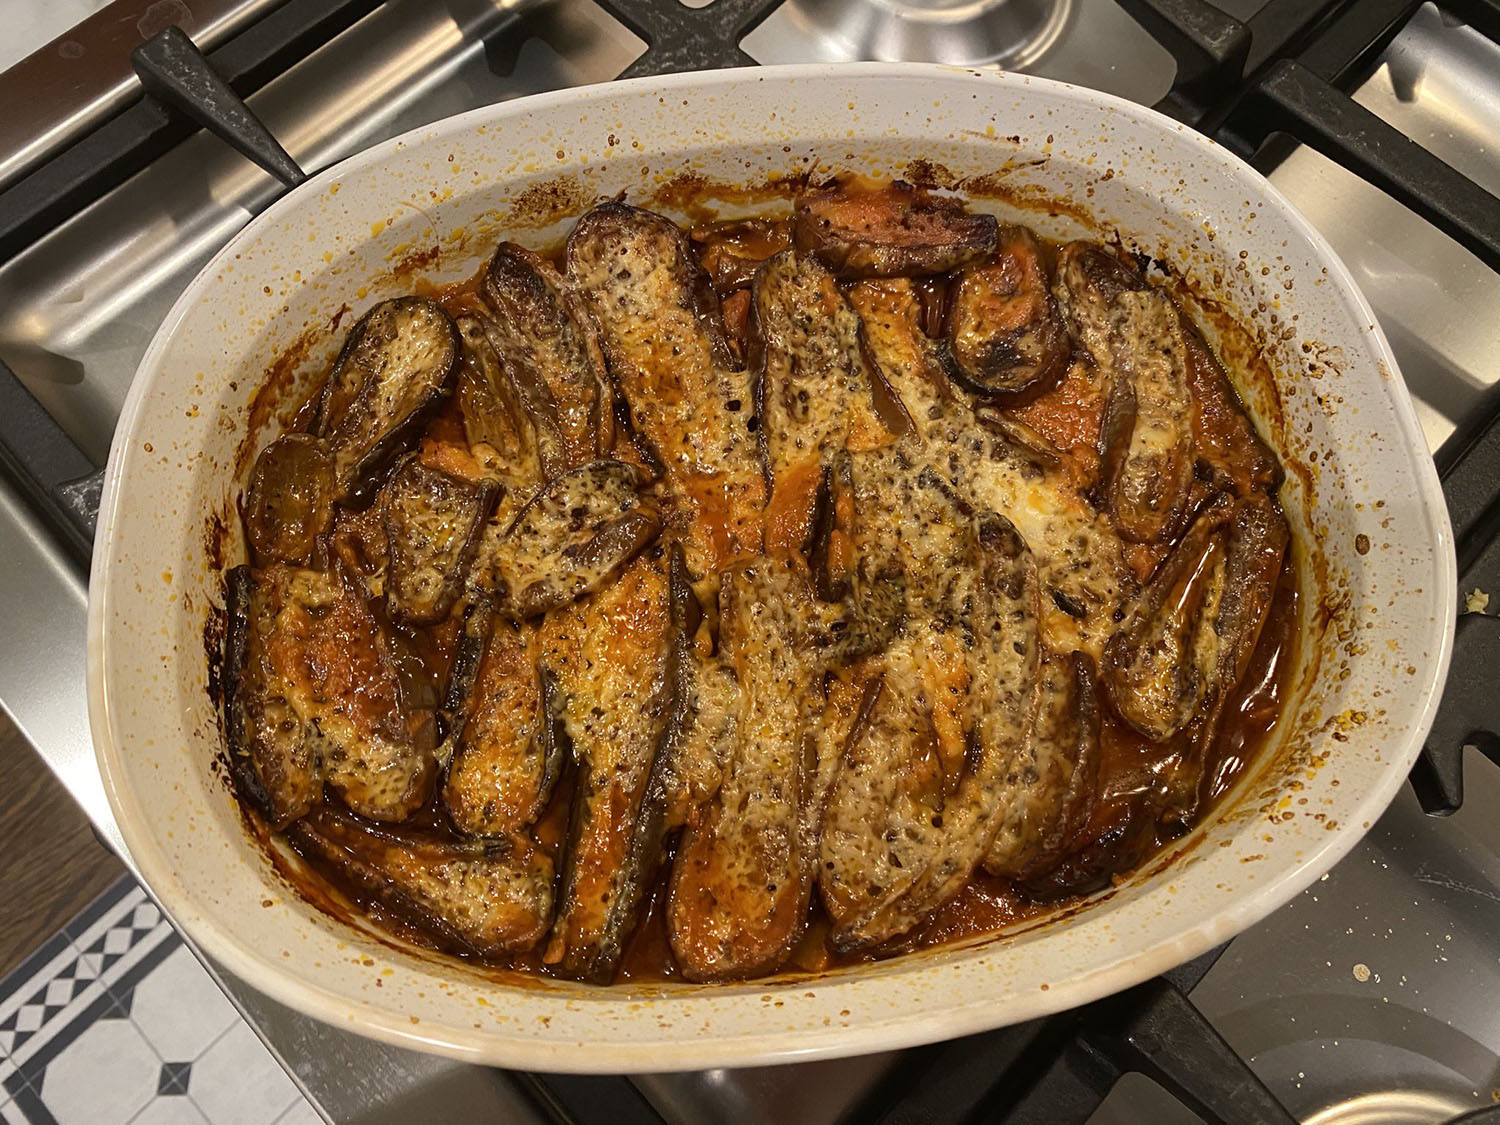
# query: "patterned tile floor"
{"type": "Point", "coordinates": [113, 1020]}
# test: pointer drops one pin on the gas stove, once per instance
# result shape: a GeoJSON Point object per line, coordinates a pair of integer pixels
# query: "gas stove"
{"type": "Point", "coordinates": [130, 152]}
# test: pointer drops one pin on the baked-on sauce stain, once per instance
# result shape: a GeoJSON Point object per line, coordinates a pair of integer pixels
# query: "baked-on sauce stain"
{"type": "Point", "coordinates": [1129, 764]}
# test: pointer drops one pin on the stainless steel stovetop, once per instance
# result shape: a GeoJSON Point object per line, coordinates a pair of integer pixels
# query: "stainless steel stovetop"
{"type": "Point", "coordinates": [1374, 997]}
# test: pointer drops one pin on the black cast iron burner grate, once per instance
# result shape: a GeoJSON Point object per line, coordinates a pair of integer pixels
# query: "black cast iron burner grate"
{"type": "Point", "coordinates": [1260, 87]}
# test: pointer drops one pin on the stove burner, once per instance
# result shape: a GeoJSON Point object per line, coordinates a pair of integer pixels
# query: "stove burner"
{"type": "Point", "coordinates": [1414, 1107]}
{"type": "Point", "coordinates": [1011, 33]}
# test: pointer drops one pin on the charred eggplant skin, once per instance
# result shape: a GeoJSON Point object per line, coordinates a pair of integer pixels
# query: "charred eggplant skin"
{"type": "Point", "coordinates": [432, 526]}
{"type": "Point", "coordinates": [237, 590]}
{"type": "Point", "coordinates": [547, 346]}
{"type": "Point", "coordinates": [475, 899]}
{"type": "Point", "coordinates": [242, 713]}
{"type": "Point", "coordinates": [1005, 340]}
{"type": "Point", "coordinates": [393, 372]}
{"type": "Point", "coordinates": [897, 230]}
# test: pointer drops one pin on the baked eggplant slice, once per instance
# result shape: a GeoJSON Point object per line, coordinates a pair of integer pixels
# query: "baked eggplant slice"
{"type": "Point", "coordinates": [496, 426]}
{"type": "Point", "coordinates": [743, 877]}
{"type": "Point", "coordinates": [573, 536]}
{"type": "Point", "coordinates": [1255, 550]}
{"type": "Point", "coordinates": [928, 772]}
{"type": "Point", "coordinates": [1119, 834]}
{"type": "Point", "coordinates": [432, 525]}
{"type": "Point", "coordinates": [325, 693]}
{"type": "Point", "coordinates": [1146, 436]}
{"type": "Point", "coordinates": [623, 668]}
{"type": "Point", "coordinates": [275, 767]}
{"type": "Point", "coordinates": [664, 344]}
{"type": "Point", "coordinates": [290, 502]}
{"type": "Point", "coordinates": [1225, 438]}
{"type": "Point", "coordinates": [1088, 280]}
{"type": "Point", "coordinates": [1055, 779]}
{"type": "Point", "coordinates": [546, 345]}
{"type": "Point", "coordinates": [391, 375]}
{"type": "Point", "coordinates": [1006, 340]}
{"type": "Point", "coordinates": [481, 899]}
{"type": "Point", "coordinates": [501, 437]}
{"type": "Point", "coordinates": [505, 748]}
{"type": "Point", "coordinates": [732, 251]}
{"type": "Point", "coordinates": [1135, 337]}
{"type": "Point", "coordinates": [911, 364]}
{"type": "Point", "coordinates": [893, 231]}
{"type": "Point", "coordinates": [815, 389]}
{"type": "Point", "coordinates": [1162, 665]}
{"type": "Point", "coordinates": [662, 335]}
{"type": "Point", "coordinates": [696, 768]}
{"type": "Point", "coordinates": [1258, 541]}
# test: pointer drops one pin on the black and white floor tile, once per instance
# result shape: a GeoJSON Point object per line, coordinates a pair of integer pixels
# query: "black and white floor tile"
{"type": "Point", "coordinates": [113, 1020]}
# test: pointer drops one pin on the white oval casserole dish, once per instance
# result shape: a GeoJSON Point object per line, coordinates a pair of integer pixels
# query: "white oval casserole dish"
{"type": "Point", "coordinates": [1375, 548]}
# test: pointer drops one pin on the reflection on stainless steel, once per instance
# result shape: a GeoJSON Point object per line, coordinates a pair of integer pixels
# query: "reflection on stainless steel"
{"type": "Point", "coordinates": [1088, 42]}
{"type": "Point", "coordinates": [1439, 86]}
{"type": "Point", "coordinates": [1407, 1106]}
{"type": "Point", "coordinates": [816, 1093]}
{"type": "Point", "coordinates": [1381, 975]}
{"type": "Point", "coordinates": [1012, 33]}
{"type": "Point", "coordinates": [43, 660]}
{"type": "Point", "coordinates": [65, 88]}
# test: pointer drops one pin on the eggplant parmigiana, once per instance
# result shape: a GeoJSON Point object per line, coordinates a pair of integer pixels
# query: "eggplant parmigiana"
{"type": "Point", "coordinates": [767, 595]}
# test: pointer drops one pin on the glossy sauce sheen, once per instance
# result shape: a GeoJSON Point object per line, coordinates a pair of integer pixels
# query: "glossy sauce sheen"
{"type": "Point", "coordinates": [1069, 417]}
